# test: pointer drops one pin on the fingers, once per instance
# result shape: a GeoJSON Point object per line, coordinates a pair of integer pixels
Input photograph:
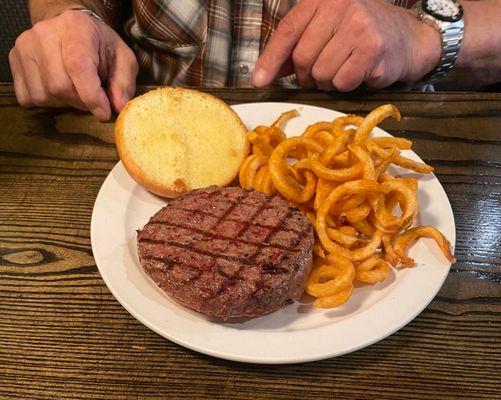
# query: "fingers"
{"type": "Point", "coordinates": [40, 74]}
{"type": "Point", "coordinates": [122, 76]}
{"type": "Point", "coordinates": [81, 64]}
{"type": "Point", "coordinates": [330, 60]}
{"type": "Point", "coordinates": [351, 74]}
{"type": "Point", "coordinates": [55, 78]}
{"type": "Point", "coordinates": [283, 40]}
{"type": "Point", "coordinates": [25, 52]}
{"type": "Point", "coordinates": [22, 94]}
{"type": "Point", "coordinates": [311, 44]}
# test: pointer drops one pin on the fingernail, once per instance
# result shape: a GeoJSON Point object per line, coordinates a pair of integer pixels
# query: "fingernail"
{"type": "Point", "coordinates": [123, 100]}
{"type": "Point", "coordinates": [259, 77]}
{"type": "Point", "coordinates": [101, 114]}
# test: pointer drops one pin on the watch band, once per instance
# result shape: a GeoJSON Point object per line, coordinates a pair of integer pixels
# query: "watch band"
{"type": "Point", "coordinates": [452, 37]}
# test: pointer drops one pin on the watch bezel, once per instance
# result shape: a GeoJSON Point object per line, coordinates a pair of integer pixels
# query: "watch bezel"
{"type": "Point", "coordinates": [440, 17]}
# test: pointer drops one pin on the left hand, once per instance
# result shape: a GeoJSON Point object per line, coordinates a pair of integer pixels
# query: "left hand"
{"type": "Point", "coordinates": [343, 43]}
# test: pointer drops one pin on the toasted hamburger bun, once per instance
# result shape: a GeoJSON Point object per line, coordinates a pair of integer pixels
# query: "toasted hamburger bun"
{"type": "Point", "coordinates": [173, 140]}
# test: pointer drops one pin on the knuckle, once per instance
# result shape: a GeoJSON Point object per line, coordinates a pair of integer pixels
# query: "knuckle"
{"type": "Point", "coordinates": [378, 78]}
{"type": "Point", "coordinates": [342, 83]}
{"type": "Point", "coordinates": [378, 43]}
{"type": "Point", "coordinates": [23, 101]}
{"type": "Point", "coordinates": [286, 28]}
{"type": "Point", "coordinates": [22, 40]}
{"type": "Point", "coordinates": [74, 63]}
{"type": "Point", "coordinates": [361, 17]}
{"type": "Point", "coordinates": [39, 99]}
{"type": "Point", "coordinates": [133, 61]}
{"type": "Point", "coordinates": [319, 74]}
{"type": "Point", "coordinates": [57, 88]}
{"type": "Point", "coordinates": [300, 59]}
{"type": "Point", "coordinates": [12, 55]}
{"type": "Point", "coordinates": [90, 99]}
{"type": "Point", "coordinates": [40, 28]}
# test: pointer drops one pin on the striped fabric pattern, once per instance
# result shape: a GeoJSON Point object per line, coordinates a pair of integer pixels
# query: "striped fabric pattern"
{"type": "Point", "coordinates": [211, 43]}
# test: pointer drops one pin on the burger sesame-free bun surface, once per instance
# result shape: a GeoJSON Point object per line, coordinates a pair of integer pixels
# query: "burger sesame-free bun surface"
{"type": "Point", "coordinates": [173, 140]}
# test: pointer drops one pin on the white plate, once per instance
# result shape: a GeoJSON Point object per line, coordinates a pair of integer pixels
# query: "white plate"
{"type": "Point", "coordinates": [297, 333]}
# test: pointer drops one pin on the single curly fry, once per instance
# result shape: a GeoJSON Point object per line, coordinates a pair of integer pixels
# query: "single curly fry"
{"type": "Point", "coordinates": [409, 205]}
{"type": "Point", "coordinates": [385, 142]}
{"type": "Point", "coordinates": [275, 136]}
{"type": "Point", "coordinates": [249, 169]}
{"type": "Point", "coordinates": [301, 164]}
{"type": "Point", "coordinates": [349, 188]}
{"type": "Point", "coordinates": [336, 274]}
{"type": "Point", "coordinates": [348, 230]}
{"type": "Point", "coordinates": [342, 238]}
{"type": "Point", "coordinates": [341, 123]}
{"type": "Point", "coordinates": [399, 160]}
{"type": "Point", "coordinates": [407, 238]}
{"type": "Point", "coordinates": [356, 214]}
{"type": "Point", "coordinates": [324, 187]}
{"type": "Point", "coordinates": [349, 203]}
{"type": "Point", "coordinates": [339, 175]}
{"type": "Point", "coordinates": [372, 270]}
{"type": "Point", "coordinates": [411, 182]}
{"type": "Point", "coordinates": [389, 251]}
{"type": "Point", "coordinates": [318, 251]}
{"type": "Point", "coordinates": [262, 181]}
{"type": "Point", "coordinates": [283, 178]}
{"type": "Point", "coordinates": [342, 160]}
{"type": "Point", "coordinates": [359, 254]}
{"type": "Point", "coordinates": [364, 227]}
{"type": "Point", "coordinates": [317, 127]}
{"type": "Point", "coordinates": [260, 142]}
{"type": "Point", "coordinates": [284, 117]}
{"type": "Point", "coordinates": [336, 147]}
{"type": "Point", "coordinates": [374, 118]}
{"type": "Point", "coordinates": [334, 300]}
{"type": "Point", "coordinates": [407, 163]}
{"type": "Point", "coordinates": [324, 138]}
{"type": "Point", "coordinates": [384, 164]}
{"type": "Point", "coordinates": [365, 161]}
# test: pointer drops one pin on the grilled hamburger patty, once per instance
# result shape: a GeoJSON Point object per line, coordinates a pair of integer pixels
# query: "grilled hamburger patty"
{"type": "Point", "coordinates": [228, 252]}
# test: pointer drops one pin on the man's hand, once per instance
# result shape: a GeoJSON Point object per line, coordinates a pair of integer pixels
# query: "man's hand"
{"type": "Point", "coordinates": [343, 43]}
{"type": "Point", "coordinates": [64, 60]}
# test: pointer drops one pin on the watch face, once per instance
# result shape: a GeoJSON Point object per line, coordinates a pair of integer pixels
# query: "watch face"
{"type": "Point", "coordinates": [444, 10]}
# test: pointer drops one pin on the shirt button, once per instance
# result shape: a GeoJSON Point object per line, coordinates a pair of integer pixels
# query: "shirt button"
{"type": "Point", "coordinates": [244, 69]}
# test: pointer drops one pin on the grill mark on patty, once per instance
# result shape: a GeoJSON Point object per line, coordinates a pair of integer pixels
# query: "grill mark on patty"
{"type": "Point", "coordinates": [210, 235]}
{"type": "Point", "coordinates": [205, 213]}
{"type": "Point", "coordinates": [230, 220]}
{"type": "Point", "coordinates": [198, 251]}
{"type": "Point", "coordinates": [169, 264]}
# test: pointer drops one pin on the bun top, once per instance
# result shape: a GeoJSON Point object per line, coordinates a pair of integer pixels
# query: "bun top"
{"type": "Point", "coordinates": [173, 140]}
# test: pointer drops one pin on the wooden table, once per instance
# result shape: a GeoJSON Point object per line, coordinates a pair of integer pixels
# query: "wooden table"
{"type": "Point", "coordinates": [63, 335]}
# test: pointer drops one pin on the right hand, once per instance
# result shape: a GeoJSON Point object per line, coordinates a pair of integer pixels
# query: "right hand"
{"type": "Point", "coordinates": [63, 61]}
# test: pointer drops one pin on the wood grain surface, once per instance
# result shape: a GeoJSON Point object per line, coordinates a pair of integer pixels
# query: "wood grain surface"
{"type": "Point", "coordinates": [64, 336]}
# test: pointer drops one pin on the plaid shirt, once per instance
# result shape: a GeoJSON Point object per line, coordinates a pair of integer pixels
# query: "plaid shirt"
{"type": "Point", "coordinates": [210, 43]}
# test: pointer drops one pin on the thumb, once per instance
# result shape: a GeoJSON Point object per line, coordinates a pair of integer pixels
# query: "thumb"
{"type": "Point", "coordinates": [122, 76]}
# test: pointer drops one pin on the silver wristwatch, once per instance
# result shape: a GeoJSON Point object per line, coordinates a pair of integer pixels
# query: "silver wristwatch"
{"type": "Point", "coordinates": [447, 17]}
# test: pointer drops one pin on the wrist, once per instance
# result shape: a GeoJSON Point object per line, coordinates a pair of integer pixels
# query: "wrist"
{"type": "Point", "coordinates": [426, 50]}
{"type": "Point", "coordinates": [58, 7]}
